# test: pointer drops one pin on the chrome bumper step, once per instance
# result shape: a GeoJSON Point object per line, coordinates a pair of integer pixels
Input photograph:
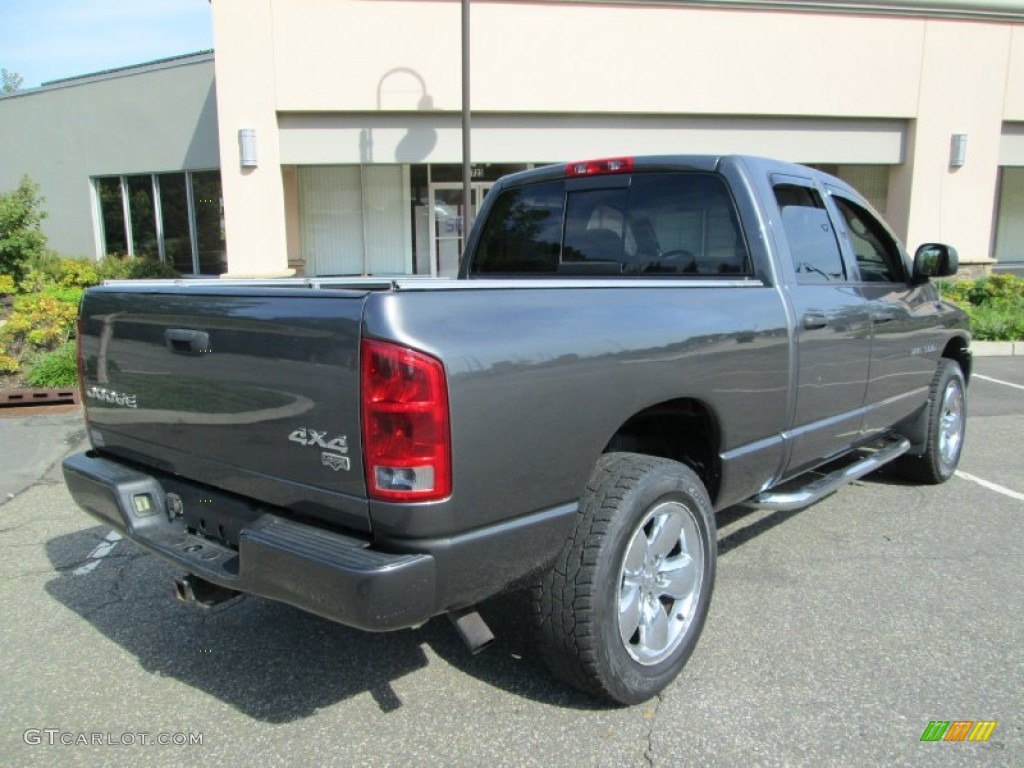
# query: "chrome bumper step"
{"type": "Point", "coordinates": [792, 495]}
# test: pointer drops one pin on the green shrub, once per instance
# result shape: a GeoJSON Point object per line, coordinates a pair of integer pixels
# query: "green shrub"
{"type": "Point", "coordinates": [994, 304]}
{"type": "Point", "coordinates": [77, 273]}
{"type": "Point", "coordinates": [8, 363]}
{"type": "Point", "coordinates": [65, 294]}
{"type": "Point", "coordinates": [41, 305]}
{"type": "Point", "coordinates": [997, 320]}
{"type": "Point", "coordinates": [40, 321]}
{"type": "Point", "coordinates": [21, 237]}
{"type": "Point", "coordinates": [58, 368]}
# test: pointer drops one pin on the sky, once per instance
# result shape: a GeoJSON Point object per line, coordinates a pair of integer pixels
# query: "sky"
{"type": "Point", "coordinates": [44, 40]}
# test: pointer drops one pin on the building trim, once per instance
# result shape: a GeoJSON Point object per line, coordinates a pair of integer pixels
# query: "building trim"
{"type": "Point", "coordinates": [184, 60]}
{"type": "Point", "coordinates": [355, 138]}
{"type": "Point", "coordinates": [1005, 10]}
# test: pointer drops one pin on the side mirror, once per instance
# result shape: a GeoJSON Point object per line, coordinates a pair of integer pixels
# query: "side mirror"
{"type": "Point", "coordinates": [935, 260]}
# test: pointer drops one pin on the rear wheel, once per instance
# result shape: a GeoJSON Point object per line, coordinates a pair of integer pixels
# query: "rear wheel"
{"type": "Point", "coordinates": [620, 612]}
{"type": "Point", "coordinates": [947, 421]}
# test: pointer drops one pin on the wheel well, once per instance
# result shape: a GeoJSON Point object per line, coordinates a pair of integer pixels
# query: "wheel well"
{"type": "Point", "coordinates": [956, 350]}
{"type": "Point", "coordinates": [683, 430]}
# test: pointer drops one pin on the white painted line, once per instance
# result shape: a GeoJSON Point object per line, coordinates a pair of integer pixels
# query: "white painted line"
{"type": "Point", "coordinates": [991, 486]}
{"type": "Point", "coordinates": [101, 550]}
{"type": "Point", "coordinates": [997, 381]}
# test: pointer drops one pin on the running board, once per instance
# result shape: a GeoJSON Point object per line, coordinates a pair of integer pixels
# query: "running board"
{"type": "Point", "coordinates": [819, 488]}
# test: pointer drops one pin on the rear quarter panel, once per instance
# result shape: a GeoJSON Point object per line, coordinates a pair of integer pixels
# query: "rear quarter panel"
{"type": "Point", "coordinates": [541, 379]}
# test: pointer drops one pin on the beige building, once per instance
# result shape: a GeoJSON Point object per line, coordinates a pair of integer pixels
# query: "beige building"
{"type": "Point", "coordinates": [348, 112]}
{"type": "Point", "coordinates": [355, 110]}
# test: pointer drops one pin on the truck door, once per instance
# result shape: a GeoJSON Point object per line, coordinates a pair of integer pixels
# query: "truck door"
{"type": "Point", "coordinates": [833, 327]}
{"type": "Point", "coordinates": [904, 318]}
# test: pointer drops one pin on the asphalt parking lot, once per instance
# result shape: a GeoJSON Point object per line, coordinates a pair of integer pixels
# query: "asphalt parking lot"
{"type": "Point", "coordinates": [836, 634]}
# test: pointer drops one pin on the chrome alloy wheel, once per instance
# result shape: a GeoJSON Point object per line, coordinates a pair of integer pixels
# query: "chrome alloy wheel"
{"type": "Point", "coordinates": [951, 422]}
{"type": "Point", "coordinates": [660, 582]}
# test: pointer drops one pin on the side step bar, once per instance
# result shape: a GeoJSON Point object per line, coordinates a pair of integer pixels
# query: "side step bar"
{"type": "Point", "coordinates": [820, 487]}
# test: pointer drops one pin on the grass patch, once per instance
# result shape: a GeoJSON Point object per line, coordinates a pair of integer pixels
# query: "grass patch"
{"type": "Point", "coordinates": [56, 369]}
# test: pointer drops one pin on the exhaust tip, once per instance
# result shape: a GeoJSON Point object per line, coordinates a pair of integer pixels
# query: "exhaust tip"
{"type": "Point", "coordinates": [472, 629]}
{"type": "Point", "coordinates": [182, 591]}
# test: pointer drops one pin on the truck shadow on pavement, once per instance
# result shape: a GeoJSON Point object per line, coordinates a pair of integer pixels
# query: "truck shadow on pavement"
{"type": "Point", "coordinates": [740, 524]}
{"type": "Point", "coordinates": [271, 661]}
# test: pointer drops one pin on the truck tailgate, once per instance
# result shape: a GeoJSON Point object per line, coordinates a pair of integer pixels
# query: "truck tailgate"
{"type": "Point", "coordinates": [255, 392]}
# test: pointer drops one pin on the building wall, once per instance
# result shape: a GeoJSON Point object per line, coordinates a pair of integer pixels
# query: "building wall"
{"type": "Point", "coordinates": [329, 81]}
{"type": "Point", "coordinates": [141, 120]}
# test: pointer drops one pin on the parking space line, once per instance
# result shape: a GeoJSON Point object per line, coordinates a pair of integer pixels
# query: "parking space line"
{"type": "Point", "coordinates": [101, 550]}
{"type": "Point", "coordinates": [997, 381]}
{"type": "Point", "coordinates": [991, 486]}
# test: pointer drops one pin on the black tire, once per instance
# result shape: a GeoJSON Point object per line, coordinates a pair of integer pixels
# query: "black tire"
{"type": "Point", "coordinates": [631, 507]}
{"type": "Point", "coordinates": [946, 422]}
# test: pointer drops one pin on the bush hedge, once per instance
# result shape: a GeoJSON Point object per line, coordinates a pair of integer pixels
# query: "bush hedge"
{"type": "Point", "coordinates": [36, 339]}
{"type": "Point", "coordinates": [994, 304]}
{"type": "Point", "coordinates": [58, 368]}
{"type": "Point", "coordinates": [40, 292]}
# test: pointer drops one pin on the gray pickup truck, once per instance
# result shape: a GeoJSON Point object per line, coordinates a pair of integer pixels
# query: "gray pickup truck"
{"type": "Point", "coordinates": [631, 345]}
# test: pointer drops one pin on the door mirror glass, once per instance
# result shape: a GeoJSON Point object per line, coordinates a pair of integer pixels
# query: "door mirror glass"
{"type": "Point", "coordinates": [935, 260]}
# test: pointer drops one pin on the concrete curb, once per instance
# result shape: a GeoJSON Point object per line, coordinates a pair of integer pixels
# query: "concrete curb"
{"type": "Point", "coordinates": [997, 348]}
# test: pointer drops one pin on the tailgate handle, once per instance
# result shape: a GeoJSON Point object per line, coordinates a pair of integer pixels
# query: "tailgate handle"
{"type": "Point", "coordinates": [187, 342]}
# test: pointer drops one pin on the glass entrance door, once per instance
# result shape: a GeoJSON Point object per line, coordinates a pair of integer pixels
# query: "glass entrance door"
{"type": "Point", "coordinates": [448, 240]}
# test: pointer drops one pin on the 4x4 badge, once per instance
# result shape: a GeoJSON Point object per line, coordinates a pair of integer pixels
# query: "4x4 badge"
{"type": "Point", "coordinates": [314, 437]}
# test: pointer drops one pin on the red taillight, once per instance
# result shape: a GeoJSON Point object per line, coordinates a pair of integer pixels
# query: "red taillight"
{"type": "Point", "coordinates": [406, 439]}
{"type": "Point", "coordinates": [598, 167]}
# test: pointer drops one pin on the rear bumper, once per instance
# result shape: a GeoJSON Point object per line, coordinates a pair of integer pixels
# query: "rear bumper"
{"type": "Point", "coordinates": [324, 572]}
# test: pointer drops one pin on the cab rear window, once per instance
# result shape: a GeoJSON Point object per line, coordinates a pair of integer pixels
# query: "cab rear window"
{"type": "Point", "coordinates": [658, 224]}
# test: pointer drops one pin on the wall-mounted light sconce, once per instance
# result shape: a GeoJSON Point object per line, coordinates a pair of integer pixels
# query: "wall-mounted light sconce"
{"type": "Point", "coordinates": [958, 150]}
{"type": "Point", "coordinates": [247, 147]}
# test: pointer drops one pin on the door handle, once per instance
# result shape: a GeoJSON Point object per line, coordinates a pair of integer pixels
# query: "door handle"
{"type": "Point", "coordinates": [815, 320]}
{"type": "Point", "coordinates": [882, 317]}
{"type": "Point", "coordinates": [186, 342]}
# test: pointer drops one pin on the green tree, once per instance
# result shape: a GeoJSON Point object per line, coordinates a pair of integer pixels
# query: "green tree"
{"type": "Point", "coordinates": [10, 81]}
{"type": "Point", "coordinates": [21, 237]}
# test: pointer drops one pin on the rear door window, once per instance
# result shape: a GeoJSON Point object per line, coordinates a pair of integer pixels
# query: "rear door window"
{"type": "Point", "coordinates": [813, 245]}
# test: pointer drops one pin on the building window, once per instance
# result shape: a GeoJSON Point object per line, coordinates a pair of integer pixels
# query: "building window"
{"type": "Point", "coordinates": [354, 220]}
{"type": "Point", "coordinates": [208, 215]}
{"type": "Point", "coordinates": [112, 215]}
{"type": "Point", "coordinates": [1010, 217]}
{"type": "Point", "coordinates": [174, 217]}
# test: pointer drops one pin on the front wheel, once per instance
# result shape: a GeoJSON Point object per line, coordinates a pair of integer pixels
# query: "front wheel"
{"type": "Point", "coordinates": [947, 422]}
{"type": "Point", "coordinates": [620, 612]}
